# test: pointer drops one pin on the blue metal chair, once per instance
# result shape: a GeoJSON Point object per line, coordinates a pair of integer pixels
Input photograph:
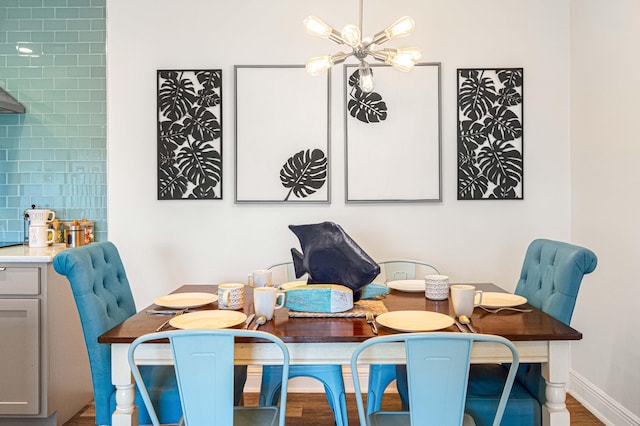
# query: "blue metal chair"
{"type": "Point", "coordinates": [103, 298]}
{"type": "Point", "coordinates": [550, 279]}
{"type": "Point", "coordinates": [437, 374]}
{"type": "Point", "coordinates": [203, 362]}
{"type": "Point", "coordinates": [329, 375]}
{"type": "Point", "coordinates": [381, 375]}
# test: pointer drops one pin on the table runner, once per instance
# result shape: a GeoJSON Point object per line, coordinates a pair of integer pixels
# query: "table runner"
{"type": "Point", "coordinates": [360, 309]}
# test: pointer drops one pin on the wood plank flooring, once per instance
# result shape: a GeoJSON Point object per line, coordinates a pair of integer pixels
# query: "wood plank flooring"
{"type": "Point", "coordinates": [312, 409]}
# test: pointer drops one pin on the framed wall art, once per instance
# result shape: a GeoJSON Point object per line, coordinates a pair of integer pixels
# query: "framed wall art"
{"type": "Point", "coordinates": [189, 134]}
{"type": "Point", "coordinates": [490, 133]}
{"type": "Point", "coordinates": [392, 135]}
{"type": "Point", "coordinates": [282, 137]}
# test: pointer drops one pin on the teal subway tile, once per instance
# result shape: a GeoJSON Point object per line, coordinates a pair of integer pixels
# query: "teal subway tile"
{"type": "Point", "coordinates": [57, 167]}
{"type": "Point", "coordinates": [79, 95]}
{"type": "Point", "coordinates": [42, 154]}
{"type": "Point", "coordinates": [54, 48]}
{"type": "Point", "coordinates": [78, 71]}
{"type": "Point", "coordinates": [94, 107]}
{"type": "Point", "coordinates": [40, 108]}
{"type": "Point", "coordinates": [43, 36]}
{"type": "Point", "coordinates": [91, 60]}
{"type": "Point", "coordinates": [99, 119]}
{"type": "Point", "coordinates": [91, 36]}
{"type": "Point", "coordinates": [79, 3]}
{"type": "Point", "coordinates": [9, 167]}
{"type": "Point", "coordinates": [45, 13]}
{"type": "Point", "coordinates": [54, 24]}
{"type": "Point", "coordinates": [30, 166]}
{"type": "Point", "coordinates": [92, 83]}
{"type": "Point", "coordinates": [55, 142]}
{"type": "Point", "coordinates": [94, 12]}
{"type": "Point", "coordinates": [66, 60]}
{"type": "Point", "coordinates": [31, 96]}
{"type": "Point", "coordinates": [65, 107]}
{"type": "Point", "coordinates": [30, 72]}
{"type": "Point", "coordinates": [98, 48]}
{"type": "Point", "coordinates": [18, 84]}
{"type": "Point", "coordinates": [79, 48]}
{"type": "Point", "coordinates": [9, 3]}
{"type": "Point", "coordinates": [55, 94]}
{"type": "Point", "coordinates": [92, 131]}
{"type": "Point", "coordinates": [18, 61]}
{"type": "Point", "coordinates": [90, 155]}
{"type": "Point", "coordinates": [98, 95]}
{"type": "Point", "coordinates": [95, 3]}
{"type": "Point", "coordinates": [57, 3]}
{"type": "Point", "coordinates": [42, 84]}
{"type": "Point", "coordinates": [54, 72]}
{"type": "Point", "coordinates": [66, 36]}
{"type": "Point", "coordinates": [52, 190]}
{"type": "Point", "coordinates": [18, 13]}
{"type": "Point", "coordinates": [30, 142]}
{"type": "Point", "coordinates": [99, 72]}
{"type": "Point", "coordinates": [31, 190]}
{"type": "Point", "coordinates": [30, 3]}
{"type": "Point", "coordinates": [7, 48]}
{"type": "Point", "coordinates": [98, 25]}
{"type": "Point", "coordinates": [99, 143]}
{"type": "Point", "coordinates": [30, 25]}
{"type": "Point", "coordinates": [9, 190]}
{"type": "Point", "coordinates": [41, 131]}
{"type": "Point", "coordinates": [79, 119]}
{"type": "Point", "coordinates": [66, 84]}
{"type": "Point", "coordinates": [14, 35]}
{"type": "Point", "coordinates": [18, 132]}
{"type": "Point", "coordinates": [65, 155]}
{"type": "Point", "coordinates": [10, 72]}
{"type": "Point", "coordinates": [66, 12]}
{"type": "Point", "coordinates": [41, 61]}
{"type": "Point", "coordinates": [15, 156]}
{"type": "Point", "coordinates": [79, 24]}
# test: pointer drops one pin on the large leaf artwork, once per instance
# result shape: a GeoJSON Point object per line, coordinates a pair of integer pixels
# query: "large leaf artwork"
{"type": "Point", "coordinates": [490, 109]}
{"type": "Point", "coordinates": [189, 134]}
{"type": "Point", "coordinates": [304, 173]}
{"type": "Point", "coordinates": [363, 106]}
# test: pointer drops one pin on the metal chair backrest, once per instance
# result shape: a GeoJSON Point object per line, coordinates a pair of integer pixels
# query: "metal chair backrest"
{"type": "Point", "coordinates": [404, 269]}
{"type": "Point", "coordinates": [437, 373]}
{"type": "Point", "coordinates": [284, 272]}
{"type": "Point", "coordinates": [203, 362]}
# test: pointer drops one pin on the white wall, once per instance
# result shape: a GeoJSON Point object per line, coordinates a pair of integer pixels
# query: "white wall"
{"type": "Point", "coordinates": [605, 148]}
{"type": "Point", "coordinates": [577, 70]}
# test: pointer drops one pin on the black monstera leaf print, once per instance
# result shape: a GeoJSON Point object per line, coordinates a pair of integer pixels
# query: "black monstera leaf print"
{"type": "Point", "coordinates": [189, 134]}
{"type": "Point", "coordinates": [490, 163]}
{"type": "Point", "coordinates": [176, 96]}
{"type": "Point", "coordinates": [304, 173]}
{"type": "Point", "coordinates": [363, 106]}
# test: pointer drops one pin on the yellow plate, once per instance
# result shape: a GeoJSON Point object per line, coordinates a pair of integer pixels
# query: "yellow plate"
{"type": "Point", "coordinates": [185, 300]}
{"type": "Point", "coordinates": [501, 300]}
{"type": "Point", "coordinates": [414, 320]}
{"type": "Point", "coordinates": [208, 320]}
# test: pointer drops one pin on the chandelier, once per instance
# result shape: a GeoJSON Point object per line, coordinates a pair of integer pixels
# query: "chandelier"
{"type": "Point", "coordinates": [403, 59]}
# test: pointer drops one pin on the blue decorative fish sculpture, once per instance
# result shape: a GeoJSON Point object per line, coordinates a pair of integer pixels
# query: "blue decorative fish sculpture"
{"type": "Point", "coordinates": [330, 256]}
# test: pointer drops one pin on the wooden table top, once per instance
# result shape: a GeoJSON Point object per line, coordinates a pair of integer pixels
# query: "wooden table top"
{"type": "Point", "coordinates": [516, 326]}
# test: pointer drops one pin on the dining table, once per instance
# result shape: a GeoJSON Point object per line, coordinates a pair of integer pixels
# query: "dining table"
{"type": "Point", "coordinates": [539, 338]}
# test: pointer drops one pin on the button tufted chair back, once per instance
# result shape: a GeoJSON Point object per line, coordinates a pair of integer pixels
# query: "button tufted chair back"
{"type": "Point", "coordinates": [103, 298]}
{"type": "Point", "coordinates": [551, 275]}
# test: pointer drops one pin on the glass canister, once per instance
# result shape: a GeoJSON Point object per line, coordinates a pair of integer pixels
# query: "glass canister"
{"type": "Point", "coordinates": [75, 235]}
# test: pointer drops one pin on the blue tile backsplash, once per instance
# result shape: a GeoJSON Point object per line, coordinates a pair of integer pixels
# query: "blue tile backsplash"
{"type": "Point", "coordinates": [52, 59]}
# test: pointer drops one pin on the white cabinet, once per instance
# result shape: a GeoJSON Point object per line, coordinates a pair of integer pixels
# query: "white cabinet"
{"type": "Point", "coordinates": [44, 370]}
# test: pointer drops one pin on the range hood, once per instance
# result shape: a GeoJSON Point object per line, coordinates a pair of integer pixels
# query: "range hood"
{"type": "Point", "coordinates": [9, 105]}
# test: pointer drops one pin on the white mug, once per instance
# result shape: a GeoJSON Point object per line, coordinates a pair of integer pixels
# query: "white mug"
{"type": "Point", "coordinates": [266, 300]}
{"type": "Point", "coordinates": [436, 287]}
{"type": "Point", "coordinates": [464, 299]}
{"type": "Point", "coordinates": [231, 296]}
{"type": "Point", "coordinates": [39, 217]}
{"type": "Point", "coordinates": [260, 278]}
{"type": "Point", "coordinates": [40, 236]}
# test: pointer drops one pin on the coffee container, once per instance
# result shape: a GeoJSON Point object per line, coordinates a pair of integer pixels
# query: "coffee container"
{"type": "Point", "coordinates": [75, 235]}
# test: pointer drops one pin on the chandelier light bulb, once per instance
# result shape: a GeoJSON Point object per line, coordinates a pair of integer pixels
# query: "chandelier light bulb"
{"type": "Point", "coordinates": [414, 52]}
{"type": "Point", "coordinates": [351, 35]}
{"type": "Point", "coordinates": [401, 28]}
{"type": "Point", "coordinates": [318, 64]}
{"type": "Point", "coordinates": [402, 62]}
{"type": "Point", "coordinates": [316, 26]}
{"type": "Point", "coordinates": [365, 81]}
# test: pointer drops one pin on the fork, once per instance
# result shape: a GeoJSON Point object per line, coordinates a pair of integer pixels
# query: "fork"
{"type": "Point", "coordinates": [372, 322]}
{"type": "Point", "coordinates": [166, 323]}
{"type": "Point", "coordinates": [495, 311]}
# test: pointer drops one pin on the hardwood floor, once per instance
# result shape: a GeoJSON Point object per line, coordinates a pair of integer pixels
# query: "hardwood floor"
{"type": "Point", "coordinates": [312, 409]}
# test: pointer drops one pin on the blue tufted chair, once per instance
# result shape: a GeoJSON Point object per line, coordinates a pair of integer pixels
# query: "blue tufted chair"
{"type": "Point", "coordinates": [550, 280]}
{"type": "Point", "coordinates": [103, 298]}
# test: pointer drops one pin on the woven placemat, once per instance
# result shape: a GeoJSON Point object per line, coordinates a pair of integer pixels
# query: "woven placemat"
{"type": "Point", "coordinates": [360, 308]}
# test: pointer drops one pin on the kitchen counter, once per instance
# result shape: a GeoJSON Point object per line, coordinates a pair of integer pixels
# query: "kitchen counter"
{"type": "Point", "coordinates": [24, 253]}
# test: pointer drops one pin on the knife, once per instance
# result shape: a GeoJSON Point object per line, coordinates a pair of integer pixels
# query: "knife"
{"type": "Point", "coordinates": [248, 321]}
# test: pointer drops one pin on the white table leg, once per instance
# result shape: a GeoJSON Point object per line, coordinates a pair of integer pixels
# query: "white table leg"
{"type": "Point", "coordinates": [556, 375]}
{"type": "Point", "coordinates": [126, 413]}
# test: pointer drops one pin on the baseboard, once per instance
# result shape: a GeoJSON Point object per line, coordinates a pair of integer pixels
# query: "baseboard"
{"type": "Point", "coordinates": [308, 385]}
{"type": "Point", "coordinates": [600, 404]}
